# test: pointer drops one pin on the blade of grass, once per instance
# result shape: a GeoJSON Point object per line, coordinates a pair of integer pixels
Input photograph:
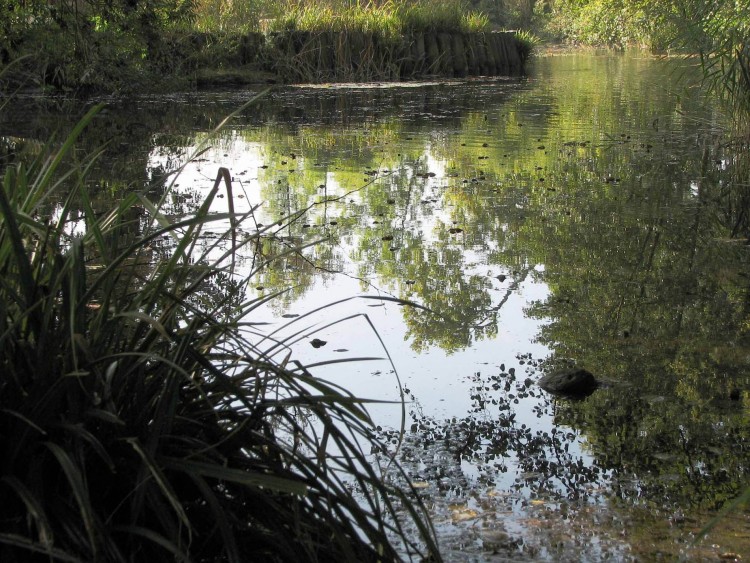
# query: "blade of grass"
{"type": "Point", "coordinates": [76, 481]}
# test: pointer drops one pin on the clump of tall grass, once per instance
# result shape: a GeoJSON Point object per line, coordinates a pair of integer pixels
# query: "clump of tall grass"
{"type": "Point", "coordinates": [136, 420]}
{"type": "Point", "coordinates": [316, 18]}
{"type": "Point", "coordinates": [447, 15]}
{"type": "Point", "coordinates": [527, 42]}
{"type": "Point", "coordinates": [387, 19]}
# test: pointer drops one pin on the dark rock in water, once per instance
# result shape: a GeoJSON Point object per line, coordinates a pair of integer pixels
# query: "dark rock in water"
{"type": "Point", "coordinates": [574, 382]}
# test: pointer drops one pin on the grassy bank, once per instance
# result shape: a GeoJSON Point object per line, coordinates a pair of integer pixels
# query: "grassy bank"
{"type": "Point", "coordinates": [85, 48]}
{"type": "Point", "coordinates": [138, 422]}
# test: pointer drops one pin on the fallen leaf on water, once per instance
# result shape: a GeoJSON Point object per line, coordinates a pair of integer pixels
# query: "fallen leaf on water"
{"type": "Point", "coordinates": [289, 315]}
{"type": "Point", "coordinates": [341, 350]}
{"type": "Point", "coordinates": [534, 523]}
{"type": "Point", "coordinates": [463, 514]}
{"type": "Point", "coordinates": [317, 342]}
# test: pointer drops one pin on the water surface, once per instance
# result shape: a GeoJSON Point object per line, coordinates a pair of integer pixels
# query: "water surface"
{"type": "Point", "coordinates": [581, 216]}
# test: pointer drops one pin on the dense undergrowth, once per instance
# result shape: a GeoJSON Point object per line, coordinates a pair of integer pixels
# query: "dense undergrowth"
{"type": "Point", "coordinates": [137, 420]}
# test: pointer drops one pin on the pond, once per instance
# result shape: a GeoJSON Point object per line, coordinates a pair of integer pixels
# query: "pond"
{"type": "Point", "coordinates": [582, 216]}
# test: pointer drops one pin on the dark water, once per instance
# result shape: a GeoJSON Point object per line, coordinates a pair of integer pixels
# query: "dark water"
{"type": "Point", "coordinates": [589, 215]}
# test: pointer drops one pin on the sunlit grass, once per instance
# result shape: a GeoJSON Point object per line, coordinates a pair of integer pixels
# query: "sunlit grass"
{"type": "Point", "coordinates": [388, 19]}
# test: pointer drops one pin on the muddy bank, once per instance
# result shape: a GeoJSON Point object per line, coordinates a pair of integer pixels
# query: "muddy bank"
{"type": "Point", "coordinates": [299, 56]}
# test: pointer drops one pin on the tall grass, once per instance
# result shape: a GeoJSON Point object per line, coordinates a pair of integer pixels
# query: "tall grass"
{"type": "Point", "coordinates": [445, 15]}
{"type": "Point", "coordinates": [228, 16]}
{"type": "Point", "coordinates": [136, 420]}
{"type": "Point", "coordinates": [388, 19]}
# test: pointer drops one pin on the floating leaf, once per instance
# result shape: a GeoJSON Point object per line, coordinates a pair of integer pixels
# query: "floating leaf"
{"type": "Point", "coordinates": [463, 514]}
{"type": "Point", "coordinates": [318, 343]}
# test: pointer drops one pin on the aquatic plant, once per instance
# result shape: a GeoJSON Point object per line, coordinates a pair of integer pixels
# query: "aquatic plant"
{"type": "Point", "coordinates": [138, 421]}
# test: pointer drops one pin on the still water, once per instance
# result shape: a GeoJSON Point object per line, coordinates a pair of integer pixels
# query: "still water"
{"type": "Point", "coordinates": [590, 214]}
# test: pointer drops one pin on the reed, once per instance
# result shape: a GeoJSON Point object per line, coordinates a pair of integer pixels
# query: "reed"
{"type": "Point", "coordinates": [139, 422]}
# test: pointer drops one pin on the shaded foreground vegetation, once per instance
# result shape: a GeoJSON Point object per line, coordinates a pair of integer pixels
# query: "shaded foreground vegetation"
{"type": "Point", "coordinates": [138, 421]}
